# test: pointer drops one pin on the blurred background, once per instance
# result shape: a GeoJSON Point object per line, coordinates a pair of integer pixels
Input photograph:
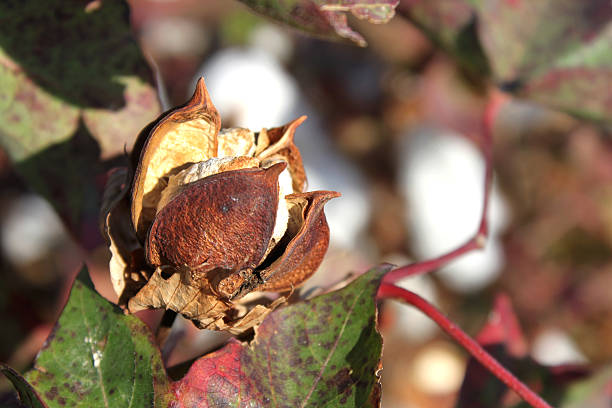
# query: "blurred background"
{"type": "Point", "coordinates": [396, 128]}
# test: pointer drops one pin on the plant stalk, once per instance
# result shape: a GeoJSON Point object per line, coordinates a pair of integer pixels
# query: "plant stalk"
{"type": "Point", "coordinates": [479, 239]}
{"type": "Point", "coordinates": [387, 291]}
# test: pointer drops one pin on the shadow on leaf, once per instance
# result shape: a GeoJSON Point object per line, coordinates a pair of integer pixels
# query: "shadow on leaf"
{"type": "Point", "coordinates": [70, 175]}
{"type": "Point", "coordinates": [75, 50]}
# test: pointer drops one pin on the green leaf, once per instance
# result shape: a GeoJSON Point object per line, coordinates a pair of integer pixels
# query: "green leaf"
{"type": "Point", "coordinates": [322, 352]}
{"type": "Point", "coordinates": [326, 18]}
{"type": "Point", "coordinates": [556, 52]}
{"type": "Point", "coordinates": [72, 80]}
{"type": "Point", "coordinates": [98, 357]}
{"type": "Point", "coordinates": [27, 394]}
{"type": "Point", "coordinates": [592, 392]}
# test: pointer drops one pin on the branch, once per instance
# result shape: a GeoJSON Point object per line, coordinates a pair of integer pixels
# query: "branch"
{"type": "Point", "coordinates": [478, 241]}
{"type": "Point", "coordinates": [489, 362]}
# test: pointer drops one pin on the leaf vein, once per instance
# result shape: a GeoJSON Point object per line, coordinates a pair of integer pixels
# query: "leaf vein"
{"type": "Point", "coordinates": [89, 332]}
{"type": "Point", "coordinates": [332, 350]}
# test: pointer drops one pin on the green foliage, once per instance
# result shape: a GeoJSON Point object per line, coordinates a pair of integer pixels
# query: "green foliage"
{"type": "Point", "coordinates": [96, 356]}
{"type": "Point", "coordinates": [321, 352]}
{"type": "Point", "coordinates": [75, 90]}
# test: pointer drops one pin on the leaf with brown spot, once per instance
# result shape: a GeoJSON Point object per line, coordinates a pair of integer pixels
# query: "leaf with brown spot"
{"type": "Point", "coordinates": [555, 52]}
{"type": "Point", "coordinates": [98, 357]}
{"type": "Point", "coordinates": [320, 352]}
{"type": "Point", "coordinates": [304, 253]}
{"type": "Point", "coordinates": [186, 135]}
{"type": "Point", "coordinates": [302, 356]}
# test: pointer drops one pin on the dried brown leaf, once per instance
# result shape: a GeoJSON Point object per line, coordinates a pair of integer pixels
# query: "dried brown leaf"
{"type": "Point", "coordinates": [186, 135]}
{"type": "Point", "coordinates": [307, 247]}
{"type": "Point", "coordinates": [195, 300]}
{"type": "Point", "coordinates": [236, 142]}
{"type": "Point", "coordinates": [281, 144]}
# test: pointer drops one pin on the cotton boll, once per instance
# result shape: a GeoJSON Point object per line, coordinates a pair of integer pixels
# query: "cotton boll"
{"type": "Point", "coordinates": [30, 229]}
{"type": "Point", "coordinates": [554, 347]}
{"type": "Point", "coordinates": [250, 87]}
{"type": "Point", "coordinates": [442, 179]}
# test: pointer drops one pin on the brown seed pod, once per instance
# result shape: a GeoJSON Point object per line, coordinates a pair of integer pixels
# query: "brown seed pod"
{"type": "Point", "coordinates": [305, 251]}
{"type": "Point", "coordinates": [281, 144]}
{"type": "Point", "coordinates": [211, 218]}
{"type": "Point", "coordinates": [222, 221]}
{"type": "Point", "coordinates": [187, 135]}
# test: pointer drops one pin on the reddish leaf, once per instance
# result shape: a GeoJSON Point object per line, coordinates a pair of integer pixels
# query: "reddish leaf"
{"type": "Point", "coordinates": [503, 328]}
{"type": "Point", "coordinates": [218, 379]}
{"type": "Point", "coordinates": [552, 52]}
{"type": "Point", "coordinates": [321, 352]}
{"type": "Point", "coordinates": [555, 52]}
{"type": "Point", "coordinates": [326, 18]}
{"type": "Point", "coordinates": [502, 337]}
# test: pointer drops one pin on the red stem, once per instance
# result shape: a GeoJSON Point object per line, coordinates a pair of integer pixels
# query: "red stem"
{"type": "Point", "coordinates": [479, 239]}
{"type": "Point", "coordinates": [391, 291]}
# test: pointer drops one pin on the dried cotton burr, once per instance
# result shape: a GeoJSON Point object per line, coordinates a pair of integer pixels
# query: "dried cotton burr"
{"type": "Point", "coordinates": [207, 219]}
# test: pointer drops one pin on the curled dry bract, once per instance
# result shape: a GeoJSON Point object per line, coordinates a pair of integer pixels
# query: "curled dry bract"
{"type": "Point", "coordinates": [209, 218]}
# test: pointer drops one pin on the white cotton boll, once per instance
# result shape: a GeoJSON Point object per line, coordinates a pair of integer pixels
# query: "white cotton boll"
{"type": "Point", "coordinates": [554, 347]}
{"type": "Point", "coordinates": [442, 179]}
{"type": "Point", "coordinates": [30, 229]}
{"type": "Point", "coordinates": [250, 87]}
{"type": "Point", "coordinates": [285, 187]}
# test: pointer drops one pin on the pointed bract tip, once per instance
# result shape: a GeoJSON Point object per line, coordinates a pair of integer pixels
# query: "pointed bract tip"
{"type": "Point", "coordinates": [201, 95]}
{"type": "Point", "coordinates": [276, 169]}
{"type": "Point", "coordinates": [325, 195]}
{"type": "Point", "coordinates": [294, 124]}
